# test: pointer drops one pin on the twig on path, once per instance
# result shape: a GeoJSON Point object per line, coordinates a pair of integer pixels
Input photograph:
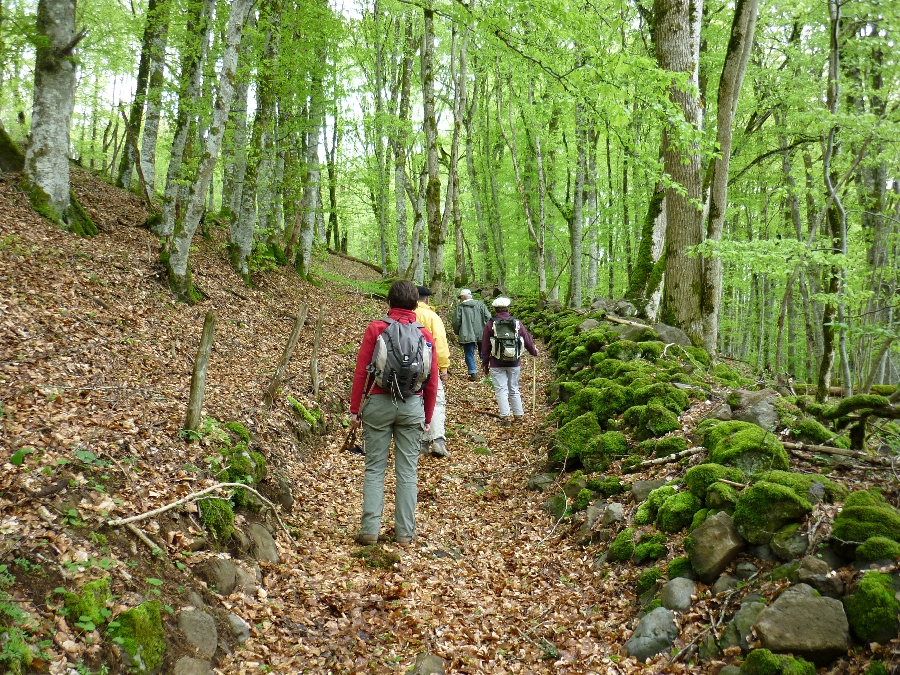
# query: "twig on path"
{"type": "Point", "coordinates": [855, 454]}
{"type": "Point", "coordinates": [668, 459]}
{"type": "Point", "coordinates": [137, 532]}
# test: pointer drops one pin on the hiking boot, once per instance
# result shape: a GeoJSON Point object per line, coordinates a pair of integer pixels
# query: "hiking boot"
{"type": "Point", "coordinates": [424, 447]}
{"type": "Point", "coordinates": [405, 540]}
{"type": "Point", "coordinates": [439, 448]}
{"type": "Point", "coordinates": [519, 419]}
{"type": "Point", "coordinates": [473, 377]}
{"type": "Point", "coordinates": [505, 422]}
{"type": "Point", "coordinates": [366, 539]}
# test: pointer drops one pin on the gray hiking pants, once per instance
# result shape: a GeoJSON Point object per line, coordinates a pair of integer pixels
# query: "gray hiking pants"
{"type": "Point", "coordinates": [506, 390]}
{"type": "Point", "coordinates": [384, 419]}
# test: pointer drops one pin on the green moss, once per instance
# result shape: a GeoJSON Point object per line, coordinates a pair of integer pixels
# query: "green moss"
{"type": "Point", "coordinates": [858, 402]}
{"type": "Point", "coordinates": [865, 498]}
{"type": "Point", "coordinates": [650, 547]}
{"type": "Point", "coordinates": [651, 420]}
{"type": "Point", "coordinates": [802, 482]}
{"type": "Point", "coordinates": [643, 516]}
{"type": "Point", "coordinates": [764, 508]}
{"type": "Point", "coordinates": [624, 350]}
{"type": "Point", "coordinates": [884, 389]}
{"type": "Point", "coordinates": [872, 610]}
{"type": "Point", "coordinates": [622, 547]}
{"type": "Point", "coordinates": [609, 486]}
{"type": "Point", "coordinates": [577, 359]}
{"type": "Point", "coordinates": [744, 445]}
{"type": "Point", "coordinates": [764, 662]}
{"type": "Point", "coordinates": [728, 375]}
{"type": "Point", "coordinates": [584, 400]}
{"type": "Point", "coordinates": [603, 450]}
{"type": "Point", "coordinates": [670, 445]}
{"type": "Point", "coordinates": [679, 567]}
{"type": "Point", "coordinates": [677, 511]}
{"type": "Point", "coordinates": [699, 478]}
{"type": "Point", "coordinates": [875, 668]}
{"type": "Point", "coordinates": [140, 633]}
{"type": "Point", "coordinates": [662, 393]}
{"type": "Point", "coordinates": [788, 571]}
{"type": "Point", "coordinates": [651, 350]}
{"type": "Point", "coordinates": [568, 389]}
{"type": "Point", "coordinates": [90, 602]}
{"type": "Point", "coordinates": [609, 368]}
{"type": "Point", "coordinates": [613, 401]}
{"type": "Point", "coordinates": [699, 518]}
{"type": "Point", "coordinates": [808, 430]}
{"type": "Point", "coordinates": [595, 340]}
{"type": "Point", "coordinates": [377, 557]}
{"type": "Point", "coordinates": [217, 516]}
{"type": "Point", "coordinates": [239, 429]}
{"type": "Point", "coordinates": [878, 548]}
{"type": "Point", "coordinates": [655, 500]}
{"type": "Point", "coordinates": [699, 355]}
{"type": "Point", "coordinates": [583, 376]}
{"type": "Point", "coordinates": [866, 515]}
{"type": "Point", "coordinates": [582, 500]}
{"type": "Point", "coordinates": [721, 497]}
{"type": "Point", "coordinates": [570, 441]}
{"type": "Point", "coordinates": [631, 463]}
{"type": "Point", "coordinates": [648, 579]}
{"type": "Point", "coordinates": [16, 656]}
{"type": "Point", "coordinates": [301, 410]}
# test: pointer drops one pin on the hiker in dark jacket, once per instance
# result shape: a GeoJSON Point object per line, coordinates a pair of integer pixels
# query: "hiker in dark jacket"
{"type": "Point", "coordinates": [505, 373]}
{"type": "Point", "coordinates": [385, 417]}
{"type": "Point", "coordinates": [468, 323]}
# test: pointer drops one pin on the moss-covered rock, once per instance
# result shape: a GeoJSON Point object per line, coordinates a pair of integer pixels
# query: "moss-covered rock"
{"type": "Point", "coordinates": [582, 500]}
{"type": "Point", "coordinates": [570, 441]}
{"type": "Point", "coordinates": [609, 368]}
{"type": "Point", "coordinates": [622, 547]}
{"type": "Point", "coordinates": [744, 445]}
{"type": "Point", "coordinates": [728, 375]}
{"type": "Point", "coordinates": [603, 450]}
{"type": "Point", "coordinates": [670, 445]}
{"type": "Point", "coordinates": [654, 501]}
{"type": "Point", "coordinates": [609, 486]}
{"type": "Point", "coordinates": [650, 546]}
{"type": "Point", "coordinates": [648, 579]}
{"type": "Point", "coordinates": [866, 515]}
{"type": "Point", "coordinates": [613, 401]}
{"type": "Point", "coordinates": [217, 516]}
{"type": "Point", "coordinates": [239, 429]}
{"type": "Point", "coordinates": [139, 632]}
{"type": "Point", "coordinates": [651, 420]}
{"type": "Point", "coordinates": [878, 548]}
{"type": "Point", "coordinates": [679, 567]}
{"type": "Point", "coordinates": [764, 508]}
{"type": "Point", "coordinates": [623, 350]}
{"type": "Point", "coordinates": [698, 519]}
{"type": "Point", "coordinates": [802, 482]}
{"type": "Point", "coordinates": [721, 497]}
{"type": "Point", "coordinates": [586, 399]}
{"type": "Point", "coordinates": [577, 359]}
{"type": "Point", "coordinates": [664, 394]}
{"type": "Point", "coordinates": [872, 610]}
{"type": "Point", "coordinates": [642, 515]}
{"type": "Point", "coordinates": [575, 484]}
{"type": "Point", "coordinates": [808, 430]}
{"type": "Point", "coordinates": [651, 350]}
{"type": "Point", "coordinates": [677, 511]}
{"type": "Point", "coordinates": [89, 603]}
{"type": "Point", "coordinates": [700, 477]}
{"type": "Point", "coordinates": [568, 389]}
{"type": "Point", "coordinates": [764, 662]}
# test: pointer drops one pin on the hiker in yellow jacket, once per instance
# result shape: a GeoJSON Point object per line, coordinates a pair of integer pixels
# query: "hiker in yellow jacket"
{"type": "Point", "coordinates": [434, 441]}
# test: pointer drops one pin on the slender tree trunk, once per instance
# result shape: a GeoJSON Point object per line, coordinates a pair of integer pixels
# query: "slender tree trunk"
{"type": "Point", "coordinates": [155, 85]}
{"type": "Point", "coordinates": [437, 235]}
{"type": "Point", "coordinates": [331, 155]}
{"type": "Point", "coordinates": [593, 213]}
{"type": "Point", "coordinates": [236, 170]}
{"type": "Point", "coordinates": [677, 38]}
{"type": "Point", "coordinates": [576, 227]}
{"type": "Point", "coordinates": [179, 269]}
{"type": "Point", "coordinates": [401, 180]}
{"type": "Point", "coordinates": [459, 108]}
{"type": "Point", "coordinates": [311, 204]}
{"type": "Point", "coordinates": [475, 185]}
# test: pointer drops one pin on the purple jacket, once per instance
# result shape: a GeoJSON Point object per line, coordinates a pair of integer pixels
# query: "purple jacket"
{"type": "Point", "coordinates": [488, 361]}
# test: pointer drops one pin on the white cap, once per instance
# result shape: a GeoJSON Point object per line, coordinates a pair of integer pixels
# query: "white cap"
{"type": "Point", "coordinates": [501, 302]}
{"type": "Point", "coordinates": [466, 291]}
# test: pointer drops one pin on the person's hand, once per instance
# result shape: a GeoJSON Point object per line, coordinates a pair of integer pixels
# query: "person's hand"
{"type": "Point", "coordinates": [444, 375]}
{"type": "Point", "coordinates": [354, 420]}
{"type": "Point", "coordinates": [426, 428]}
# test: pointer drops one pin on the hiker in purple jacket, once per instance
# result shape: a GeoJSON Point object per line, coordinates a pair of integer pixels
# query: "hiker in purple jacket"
{"type": "Point", "coordinates": [502, 342]}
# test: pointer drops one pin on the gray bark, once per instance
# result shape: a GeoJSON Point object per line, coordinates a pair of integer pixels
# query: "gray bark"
{"type": "Point", "coordinates": [437, 235]}
{"type": "Point", "coordinates": [154, 102]}
{"type": "Point", "coordinates": [311, 194]}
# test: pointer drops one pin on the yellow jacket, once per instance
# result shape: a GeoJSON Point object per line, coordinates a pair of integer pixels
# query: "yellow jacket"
{"type": "Point", "coordinates": [428, 318]}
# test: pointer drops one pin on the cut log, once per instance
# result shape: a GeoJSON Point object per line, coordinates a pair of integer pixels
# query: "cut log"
{"type": "Point", "coordinates": [373, 266]}
{"type": "Point", "coordinates": [278, 376]}
{"type": "Point", "coordinates": [198, 379]}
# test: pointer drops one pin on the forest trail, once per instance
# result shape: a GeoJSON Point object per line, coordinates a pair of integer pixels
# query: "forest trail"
{"type": "Point", "coordinates": [95, 359]}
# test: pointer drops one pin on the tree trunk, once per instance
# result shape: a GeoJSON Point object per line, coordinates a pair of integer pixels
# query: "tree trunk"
{"type": "Point", "coordinates": [401, 180]}
{"type": "Point", "coordinates": [331, 163]}
{"type": "Point", "coordinates": [179, 269]}
{"type": "Point", "coordinates": [311, 205]}
{"type": "Point", "coordinates": [437, 235]}
{"type": "Point", "coordinates": [593, 213]}
{"type": "Point", "coordinates": [677, 38]}
{"type": "Point", "coordinates": [155, 85]}
{"type": "Point", "coordinates": [576, 226]}
{"type": "Point", "coordinates": [740, 43]}
{"type": "Point", "coordinates": [460, 104]}
{"type": "Point", "coordinates": [475, 185]}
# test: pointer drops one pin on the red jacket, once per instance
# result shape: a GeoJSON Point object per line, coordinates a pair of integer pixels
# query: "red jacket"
{"type": "Point", "coordinates": [364, 358]}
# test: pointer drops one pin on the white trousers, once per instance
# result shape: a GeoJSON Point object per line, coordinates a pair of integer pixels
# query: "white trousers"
{"type": "Point", "coordinates": [438, 416]}
{"type": "Point", "coordinates": [506, 389]}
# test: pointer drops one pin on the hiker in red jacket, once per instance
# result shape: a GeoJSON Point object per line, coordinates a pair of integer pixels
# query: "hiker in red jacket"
{"type": "Point", "coordinates": [502, 342]}
{"type": "Point", "coordinates": [386, 414]}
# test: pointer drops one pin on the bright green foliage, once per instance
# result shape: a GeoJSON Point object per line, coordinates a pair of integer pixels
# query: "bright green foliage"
{"type": "Point", "coordinates": [700, 518]}
{"type": "Point", "coordinates": [648, 579]}
{"type": "Point", "coordinates": [609, 368]}
{"type": "Point", "coordinates": [699, 355]}
{"type": "Point", "coordinates": [875, 668]}
{"type": "Point", "coordinates": [603, 450]}
{"type": "Point", "coordinates": [657, 498]}
{"type": "Point", "coordinates": [15, 653]}
{"type": "Point", "coordinates": [802, 482]}
{"type": "Point", "coordinates": [577, 359]}
{"type": "Point", "coordinates": [677, 511]}
{"type": "Point", "coordinates": [858, 402]}
{"type": "Point", "coordinates": [582, 500]}
{"type": "Point", "coordinates": [585, 400]}
{"type": "Point", "coordinates": [311, 417]}
{"type": "Point", "coordinates": [652, 420]}
{"type": "Point", "coordinates": [809, 430]}
{"type": "Point", "coordinates": [744, 445]}
{"type": "Point", "coordinates": [670, 445]}
{"type": "Point", "coordinates": [239, 429]}
{"type": "Point", "coordinates": [872, 610]}
{"type": "Point", "coordinates": [568, 389]}
{"type": "Point", "coordinates": [700, 477]}
{"type": "Point", "coordinates": [140, 632]}
{"type": "Point", "coordinates": [594, 340]}
{"type": "Point", "coordinates": [878, 548]}
{"type": "Point", "coordinates": [642, 515]}
{"type": "Point", "coordinates": [90, 603]}
{"type": "Point", "coordinates": [721, 497]}
{"type": "Point", "coordinates": [728, 375]}
{"type": "Point", "coordinates": [609, 486]}
{"type": "Point", "coordinates": [570, 441]}
{"type": "Point", "coordinates": [764, 508]}
{"type": "Point", "coordinates": [679, 567]}
{"type": "Point", "coordinates": [764, 662]}
{"type": "Point", "coordinates": [622, 546]}
{"type": "Point", "coordinates": [650, 547]}
{"type": "Point", "coordinates": [217, 516]}
{"type": "Point", "coordinates": [866, 515]}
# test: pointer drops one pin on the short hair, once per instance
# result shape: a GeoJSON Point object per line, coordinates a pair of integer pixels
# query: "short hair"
{"type": "Point", "coordinates": [403, 295]}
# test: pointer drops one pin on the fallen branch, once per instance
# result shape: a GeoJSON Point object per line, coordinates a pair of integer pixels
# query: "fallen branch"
{"type": "Point", "coordinates": [855, 454]}
{"type": "Point", "coordinates": [192, 497]}
{"type": "Point", "coordinates": [137, 532]}
{"type": "Point", "coordinates": [624, 322]}
{"type": "Point", "coordinates": [373, 266]}
{"type": "Point", "coordinates": [669, 458]}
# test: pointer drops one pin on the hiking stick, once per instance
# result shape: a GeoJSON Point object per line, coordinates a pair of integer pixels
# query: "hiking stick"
{"type": "Point", "coordinates": [533, 385]}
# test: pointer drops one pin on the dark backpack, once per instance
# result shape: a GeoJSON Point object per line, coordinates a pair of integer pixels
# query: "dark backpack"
{"type": "Point", "coordinates": [401, 360]}
{"type": "Point", "coordinates": [506, 343]}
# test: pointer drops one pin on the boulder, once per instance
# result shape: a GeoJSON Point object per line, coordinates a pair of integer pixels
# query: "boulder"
{"type": "Point", "coordinates": [635, 333]}
{"type": "Point", "coordinates": [873, 608]}
{"type": "Point", "coordinates": [724, 584]}
{"type": "Point", "coordinates": [745, 570]}
{"type": "Point", "coordinates": [600, 305]}
{"type": "Point", "coordinates": [737, 632]}
{"type": "Point", "coordinates": [764, 508]}
{"type": "Point", "coordinates": [263, 544]}
{"type": "Point", "coordinates": [240, 629]}
{"type": "Point", "coordinates": [586, 530]}
{"type": "Point", "coordinates": [819, 575]}
{"type": "Point", "coordinates": [588, 325]}
{"type": "Point", "coordinates": [789, 542]}
{"type": "Point", "coordinates": [541, 481]}
{"type": "Point", "coordinates": [614, 513]}
{"type": "Point", "coordinates": [797, 623]}
{"type": "Point", "coordinates": [672, 335]}
{"type": "Point", "coordinates": [722, 412]}
{"type": "Point", "coordinates": [200, 632]}
{"type": "Point", "coordinates": [756, 407]}
{"type": "Point", "coordinates": [641, 489]}
{"type": "Point", "coordinates": [188, 665]}
{"type": "Point", "coordinates": [556, 506]}
{"type": "Point", "coordinates": [655, 633]}
{"type": "Point", "coordinates": [427, 664]}
{"type": "Point", "coordinates": [716, 543]}
{"type": "Point", "coordinates": [219, 575]}
{"type": "Point", "coordinates": [244, 581]}
{"type": "Point", "coordinates": [676, 594]}
{"type": "Point", "coordinates": [763, 552]}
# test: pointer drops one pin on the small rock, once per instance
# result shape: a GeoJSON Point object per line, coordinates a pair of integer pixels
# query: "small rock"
{"type": "Point", "coordinates": [671, 334]}
{"type": "Point", "coordinates": [285, 495]}
{"type": "Point", "coordinates": [811, 627]}
{"type": "Point", "coordinates": [716, 544]}
{"type": "Point", "coordinates": [624, 308]}
{"type": "Point", "coordinates": [763, 552]}
{"type": "Point", "coordinates": [427, 664]}
{"type": "Point", "coordinates": [263, 544]}
{"type": "Point", "coordinates": [199, 629]}
{"type": "Point", "coordinates": [604, 534]}
{"type": "Point", "coordinates": [196, 600]}
{"type": "Point", "coordinates": [188, 665]}
{"type": "Point", "coordinates": [241, 541]}
{"type": "Point", "coordinates": [239, 628]}
{"type": "Point", "coordinates": [745, 570]}
{"type": "Point", "coordinates": [655, 633]}
{"type": "Point", "coordinates": [600, 305]}
{"type": "Point", "coordinates": [641, 488]}
{"type": "Point", "coordinates": [676, 594]}
{"type": "Point", "coordinates": [787, 571]}
{"type": "Point", "coordinates": [816, 493]}
{"type": "Point", "coordinates": [585, 532]}
{"type": "Point", "coordinates": [730, 670]}
{"type": "Point", "coordinates": [830, 556]}
{"type": "Point", "coordinates": [614, 513]}
{"type": "Point", "coordinates": [218, 573]}
{"type": "Point", "coordinates": [600, 560]}
{"type": "Point", "coordinates": [816, 572]}
{"type": "Point", "coordinates": [738, 629]}
{"type": "Point", "coordinates": [588, 325]}
{"type": "Point", "coordinates": [556, 506]}
{"type": "Point", "coordinates": [708, 649]}
{"type": "Point", "coordinates": [789, 542]}
{"type": "Point", "coordinates": [751, 597]}
{"type": "Point", "coordinates": [756, 407]}
{"type": "Point", "coordinates": [805, 590]}
{"type": "Point", "coordinates": [245, 581]}
{"type": "Point", "coordinates": [723, 413]}
{"type": "Point", "coordinates": [724, 584]}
